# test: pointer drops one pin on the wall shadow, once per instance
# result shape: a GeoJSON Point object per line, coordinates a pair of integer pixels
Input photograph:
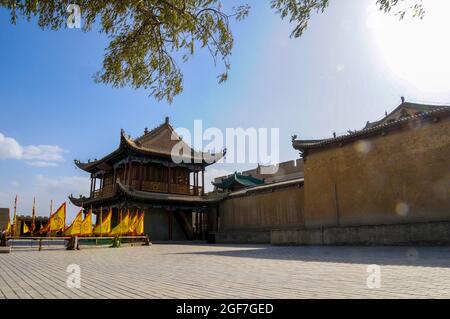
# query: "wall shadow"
{"type": "Point", "coordinates": [421, 256]}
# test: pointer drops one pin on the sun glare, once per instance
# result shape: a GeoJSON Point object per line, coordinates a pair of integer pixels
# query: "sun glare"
{"type": "Point", "coordinates": [416, 50]}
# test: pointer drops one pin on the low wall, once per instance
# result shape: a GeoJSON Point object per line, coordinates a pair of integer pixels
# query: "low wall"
{"type": "Point", "coordinates": [433, 233]}
{"type": "Point", "coordinates": [243, 237]}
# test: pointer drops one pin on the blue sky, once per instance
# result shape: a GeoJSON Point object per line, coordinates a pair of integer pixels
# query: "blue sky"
{"type": "Point", "coordinates": [351, 65]}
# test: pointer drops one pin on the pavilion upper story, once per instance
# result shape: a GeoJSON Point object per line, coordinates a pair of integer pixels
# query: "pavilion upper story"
{"type": "Point", "coordinates": [159, 161]}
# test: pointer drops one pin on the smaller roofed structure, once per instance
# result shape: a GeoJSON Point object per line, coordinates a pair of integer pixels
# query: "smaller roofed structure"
{"type": "Point", "coordinates": [237, 181]}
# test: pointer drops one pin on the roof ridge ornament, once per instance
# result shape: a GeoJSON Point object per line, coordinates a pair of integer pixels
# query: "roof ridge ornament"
{"type": "Point", "coordinates": [293, 137]}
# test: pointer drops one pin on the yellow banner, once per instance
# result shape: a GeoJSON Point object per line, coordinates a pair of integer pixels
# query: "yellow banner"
{"type": "Point", "coordinates": [8, 229]}
{"type": "Point", "coordinates": [26, 229]}
{"type": "Point", "coordinates": [123, 227]}
{"type": "Point", "coordinates": [75, 227]}
{"type": "Point", "coordinates": [44, 229]}
{"type": "Point", "coordinates": [58, 219]}
{"type": "Point", "coordinates": [104, 227]}
{"type": "Point", "coordinates": [133, 224]}
{"type": "Point", "coordinates": [86, 225]}
{"type": "Point", "coordinates": [140, 225]}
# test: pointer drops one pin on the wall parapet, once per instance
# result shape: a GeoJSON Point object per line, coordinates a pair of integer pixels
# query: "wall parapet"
{"type": "Point", "coordinates": [427, 233]}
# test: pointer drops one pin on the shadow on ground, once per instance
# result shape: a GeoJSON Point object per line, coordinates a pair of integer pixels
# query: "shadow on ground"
{"type": "Point", "coordinates": [386, 255]}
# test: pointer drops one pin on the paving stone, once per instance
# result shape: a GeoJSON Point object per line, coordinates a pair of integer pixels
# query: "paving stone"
{"type": "Point", "coordinates": [227, 271]}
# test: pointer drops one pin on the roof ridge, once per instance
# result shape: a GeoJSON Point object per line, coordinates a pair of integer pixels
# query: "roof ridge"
{"type": "Point", "coordinates": [374, 128]}
{"type": "Point", "coordinates": [152, 132]}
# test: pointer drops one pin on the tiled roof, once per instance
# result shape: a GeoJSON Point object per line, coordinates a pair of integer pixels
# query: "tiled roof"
{"type": "Point", "coordinates": [434, 112]}
{"type": "Point", "coordinates": [244, 180]}
{"type": "Point", "coordinates": [159, 142]}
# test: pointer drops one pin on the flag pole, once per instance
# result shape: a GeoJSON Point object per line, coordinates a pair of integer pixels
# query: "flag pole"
{"type": "Point", "coordinates": [33, 217]}
{"type": "Point", "coordinates": [120, 228]}
{"type": "Point", "coordinates": [65, 216]}
{"type": "Point", "coordinates": [49, 217]}
{"type": "Point", "coordinates": [101, 221]}
{"type": "Point", "coordinates": [15, 216]}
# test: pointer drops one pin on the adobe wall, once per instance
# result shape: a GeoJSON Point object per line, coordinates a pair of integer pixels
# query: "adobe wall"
{"type": "Point", "coordinates": [250, 218]}
{"type": "Point", "coordinates": [262, 211]}
{"type": "Point", "coordinates": [402, 177]}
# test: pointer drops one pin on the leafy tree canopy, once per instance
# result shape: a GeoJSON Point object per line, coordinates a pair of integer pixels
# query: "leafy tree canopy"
{"type": "Point", "coordinates": [147, 36]}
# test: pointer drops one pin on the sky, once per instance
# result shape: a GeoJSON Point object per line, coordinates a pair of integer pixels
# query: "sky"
{"type": "Point", "coordinates": [352, 64]}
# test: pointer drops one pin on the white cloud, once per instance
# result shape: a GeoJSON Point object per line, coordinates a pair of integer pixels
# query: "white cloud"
{"type": "Point", "coordinates": [9, 148]}
{"type": "Point", "coordinates": [34, 155]}
{"type": "Point", "coordinates": [48, 153]}
{"type": "Point", "coordinates": [42, 164]}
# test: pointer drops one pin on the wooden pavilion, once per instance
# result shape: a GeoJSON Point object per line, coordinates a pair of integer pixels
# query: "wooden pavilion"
{"type": "Point", "coordinates": [156, 172]}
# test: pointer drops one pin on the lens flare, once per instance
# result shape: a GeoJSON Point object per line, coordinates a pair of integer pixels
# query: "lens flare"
{"type": "Point", "coordinates": [363, 147]}
{"type": "Point", "coordinates": [402, 209]}
{"type": "Point", "coordinates": [416, 50]}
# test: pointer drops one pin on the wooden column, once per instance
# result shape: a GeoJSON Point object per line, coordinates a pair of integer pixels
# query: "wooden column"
{"type": "Point", "coordinates": [141, 175]}
{"type": "Point", "coordinates": [218, 219]}
{"type": "Point", "coordinates": [195, 225]}
{"type": "Point", "coordinates": [203, 182]}
{"type": "Point", "coordinates": [168, 179]}
{"type": "Point", "coordinates": [196, 183]}
{"type": "Point", "coordinates": [124, 181]}
{"type": "Point", "coordinates": [130, 168]}
{"type": "Point", "coordinates": [92, 185]}
{"type": "Point", "coordinates": [170, 223]}
{"type": "Point", "coordinates": [201, 225]}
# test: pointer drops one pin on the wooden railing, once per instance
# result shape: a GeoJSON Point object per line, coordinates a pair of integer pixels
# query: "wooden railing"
{"type": "Point", "coordinates": [159, 187]}
{"type": "Point", "coordinates": [106, 191]}
{"type": "Point", "coordinates": [149, 186]}
{"type": "Point", "coordinates": [195, 192]}
{"type": "Point", "coordinates": [180, 189]}
{"type": "Point", "coordinates": [154, 187]}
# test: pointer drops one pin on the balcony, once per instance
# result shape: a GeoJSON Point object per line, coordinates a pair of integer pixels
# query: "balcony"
{"type": "Point", "coordinates": [159, 187]}
{"type": "Point", "coordinates": [106, 191]}
{"type": "Point", "coordinates": [149, 186]}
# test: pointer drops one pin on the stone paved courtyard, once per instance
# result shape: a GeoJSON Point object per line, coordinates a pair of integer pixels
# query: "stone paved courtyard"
{"type": "Point", "coordinates": [228, 271]}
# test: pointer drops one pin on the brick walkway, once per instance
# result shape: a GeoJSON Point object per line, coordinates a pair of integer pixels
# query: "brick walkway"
{"type": "Point", "coordinates": [228, 271]}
